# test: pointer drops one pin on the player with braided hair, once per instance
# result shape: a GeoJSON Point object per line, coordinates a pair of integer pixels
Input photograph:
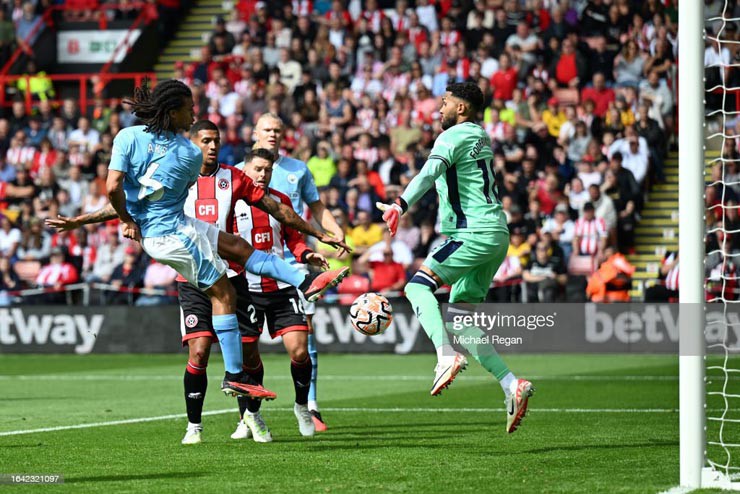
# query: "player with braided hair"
{"type": "Point", "coordinates": [151, 169]}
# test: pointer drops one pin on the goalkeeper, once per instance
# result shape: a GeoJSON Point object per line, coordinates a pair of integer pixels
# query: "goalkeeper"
{"type": "Point", "coordinates": [461, 167]}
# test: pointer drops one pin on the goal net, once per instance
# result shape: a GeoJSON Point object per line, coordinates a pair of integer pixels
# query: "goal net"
{"type": "Point", "coordinates": [718, 436]}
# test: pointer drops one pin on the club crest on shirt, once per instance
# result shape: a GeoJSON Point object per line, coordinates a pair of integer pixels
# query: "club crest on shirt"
{"type": "Point", "coordinates": [223, 184]}
{"type": "Point", "coordinates": [292, 178]}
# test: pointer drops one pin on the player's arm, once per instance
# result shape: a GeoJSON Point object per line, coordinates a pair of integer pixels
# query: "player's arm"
{"type": "Point", "coordinates": [419, 185]}
{"type": "Point", "coordinates": [327, 221]}
{"type": "Point", "coordinates": [297, 245]}
{"type": "Point", "coordinates": [64, 224]}
{"type": "Point", "coordinates": [117, 168]}
{"type": "Point", "coordinates": [114, 186]}
{"type": "Point", "coordinates": [285, 215]}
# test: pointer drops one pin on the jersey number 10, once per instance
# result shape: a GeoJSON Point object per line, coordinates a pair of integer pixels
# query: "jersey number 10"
{"type": "Point", "coordinates": [489, 183]}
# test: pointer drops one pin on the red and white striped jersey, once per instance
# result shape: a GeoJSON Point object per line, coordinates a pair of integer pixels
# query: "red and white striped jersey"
{"type": "Point", "coordinates": [510, 266]}
{"type": "Point", "coordinates": [590, 233]}
{"type": "Point", "coordinates": [373, 19]}
{"type": "Point", "coordinates": [18, 156]}
{"type": "Point", "coordinates": [213, 199]}
{"type": "Point", "coordinates": [302, 7]}
{"type": "Point", "coordinates": [267, 234]}
{"type": "Point", "coordinates": [671, 278]}
{"type": "Point", "coordinates": [57, 274]}
{"type": "Point", "coordinates": [449, 38]}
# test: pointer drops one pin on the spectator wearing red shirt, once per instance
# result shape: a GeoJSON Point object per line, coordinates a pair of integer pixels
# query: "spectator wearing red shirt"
{"type": "Point", "coordinates": [386, 275]}
{"type": "Point", "coordinates": [504, 80]}
{"type": "Point", "coordinates": [570, 67]}
{"type": "Point", "coordinates": [601, 95]}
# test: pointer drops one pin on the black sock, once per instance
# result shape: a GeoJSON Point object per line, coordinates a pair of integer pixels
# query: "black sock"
{"type": "Point", "coordinates": [257, 373]}
{"type": "Point", "coordinates": [307, 282]}
{"type": "Point", "coordinates": [301, 372]}
{"type": "Point", "coordinates": [195, 383]}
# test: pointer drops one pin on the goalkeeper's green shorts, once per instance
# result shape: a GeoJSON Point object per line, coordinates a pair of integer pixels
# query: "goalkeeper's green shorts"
{"type": "Point", "coordinates": [468, 262]}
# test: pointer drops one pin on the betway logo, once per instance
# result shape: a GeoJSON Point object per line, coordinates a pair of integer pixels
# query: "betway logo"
{"type": "Point", "coordinates": [656, 324]}
{"type": "Point", "coordinates": [55, 329]}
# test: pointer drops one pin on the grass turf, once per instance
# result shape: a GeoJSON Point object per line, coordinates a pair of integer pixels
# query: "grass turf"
{"type": "Point", "coordinates": [385, 432]}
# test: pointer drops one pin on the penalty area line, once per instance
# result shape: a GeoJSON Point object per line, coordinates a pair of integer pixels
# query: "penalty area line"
{"type": "Point", "coordinates": [336, 410]}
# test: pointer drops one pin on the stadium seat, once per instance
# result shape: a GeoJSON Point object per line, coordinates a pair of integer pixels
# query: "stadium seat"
{"type": "Point", "coordinates": [567, 97]}
{"type": "Point", "coordinates": [581, 265]}
{"type": "Point", "coordinates": [27, 271]}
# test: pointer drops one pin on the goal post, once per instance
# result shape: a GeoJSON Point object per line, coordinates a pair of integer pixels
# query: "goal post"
{"type": "Point", "coordinates": [691, 240]}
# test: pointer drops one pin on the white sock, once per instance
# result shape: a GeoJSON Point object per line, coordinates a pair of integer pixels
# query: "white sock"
{"type": "Point", "coordinates": [192, 426]}
{"type": "Point", "coordinates": [312, 405]}
{"type": "Point", "coordinates": [247, 412]}
{"type": "Point", "coordinates": [445, 350]}
{"type": "Point", "coordinates": [508, 383]}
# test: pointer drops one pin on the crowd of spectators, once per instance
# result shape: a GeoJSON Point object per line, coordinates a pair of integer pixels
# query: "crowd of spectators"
{"type": "Point", "coordinates": [579, 105]}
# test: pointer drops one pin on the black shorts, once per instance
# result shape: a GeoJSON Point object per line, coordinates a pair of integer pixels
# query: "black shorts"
{"type": "Point", "coordinates": [196, 310]}
{"type": "Point", "coordinates": [281, 311]}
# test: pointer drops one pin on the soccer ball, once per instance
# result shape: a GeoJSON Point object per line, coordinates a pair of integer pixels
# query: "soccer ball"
{"type": "Point", "coordinates": [371, 314]}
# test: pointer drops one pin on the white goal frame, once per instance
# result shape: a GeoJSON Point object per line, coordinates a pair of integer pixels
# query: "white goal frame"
{"type": "Point", "coordinates": [694, 472]}
{"type": "Point", "coordinates": [691, 240]}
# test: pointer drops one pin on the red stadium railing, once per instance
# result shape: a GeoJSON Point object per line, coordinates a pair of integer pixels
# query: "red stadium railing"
{"type": "Point", "coordinates": [147, 13]}
{"type": "Point", "coordinates": [97, 81]}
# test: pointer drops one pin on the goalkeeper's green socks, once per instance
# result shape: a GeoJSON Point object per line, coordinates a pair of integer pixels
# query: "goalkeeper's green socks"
{"type": "Point", "coordinates": [420, 292]}
{"type": "Point", "coordinates": [484, 353]}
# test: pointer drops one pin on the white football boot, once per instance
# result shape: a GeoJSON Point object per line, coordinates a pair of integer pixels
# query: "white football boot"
{"type": "Point", "coordinates": [305, 420]}
{"type": "Point", "coordinates": [446, 370]}
{"type": "Point", "coordinates": [192, 435]}
{"type": "Point", "coordinates": [260, 431]}
{"type": "Point", "coordinates": [516, 404]}
{"type": "Point", "coordinates": [242, 431]}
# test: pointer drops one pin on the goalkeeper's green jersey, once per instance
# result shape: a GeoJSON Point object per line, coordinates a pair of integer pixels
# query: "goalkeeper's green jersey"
{"type": "Point", "coordinates": [461, 167]}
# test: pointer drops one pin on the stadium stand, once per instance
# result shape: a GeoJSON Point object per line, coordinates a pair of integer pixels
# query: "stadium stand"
{"type": "Point", "coordinates": [580, 107]}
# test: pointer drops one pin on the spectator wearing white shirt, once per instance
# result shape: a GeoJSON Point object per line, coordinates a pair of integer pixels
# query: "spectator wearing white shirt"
{"type": "Point", "coordinates": [10, 237]}
{"type": "Point", "coordinates": [605, 209]}
{"type": "Point", "coordinates": [427, 15]}
{"type": "Point", "coordinates": [528, 44]}
{"type": "Point", "coordinates": [562, 228]}
{"type": "Point", "coordinates": [401, 252]}
{"type": "Point", "coordinates": [577, 195]}
{"type": "Point", "coordinates": [290, 70]}
{"type": "Point", "coordinates": [76, 186]}
{"type": "Point", "coordinates": [109, 255]}
{"type": "Point", "coordinates": [588, 174]}
{"type": "Point", "coordinates": [84, 135]}
{"type": "Point", "coordinates": [228, 101]}
{"type": "Point", "coordinates": [635, 153]}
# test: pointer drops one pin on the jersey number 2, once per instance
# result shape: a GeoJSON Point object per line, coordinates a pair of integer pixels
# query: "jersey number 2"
{"type": "Point", "coordinates": [489, 183]}
{"type": "Point", "coordinates": [148, 184]}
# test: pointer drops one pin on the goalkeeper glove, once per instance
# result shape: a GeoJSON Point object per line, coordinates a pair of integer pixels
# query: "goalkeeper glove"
{"type": "Point", "coordinates": [391, 214]}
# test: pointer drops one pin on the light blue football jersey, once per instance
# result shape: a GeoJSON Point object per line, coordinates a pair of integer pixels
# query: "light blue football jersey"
{"type": "Point", "coordinates": [159, 170]}
{"type": "Point", "coordinates": [293, 178]}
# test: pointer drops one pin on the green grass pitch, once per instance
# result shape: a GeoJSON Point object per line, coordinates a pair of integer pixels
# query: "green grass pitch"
{"type": "Point", "coordinates": [597, 423]}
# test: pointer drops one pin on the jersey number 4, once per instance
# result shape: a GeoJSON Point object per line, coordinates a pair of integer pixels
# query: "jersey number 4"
{"type": "Point", "coordinates": [489, 183]}
{"type": "Point", "coordinates": [150, 189]}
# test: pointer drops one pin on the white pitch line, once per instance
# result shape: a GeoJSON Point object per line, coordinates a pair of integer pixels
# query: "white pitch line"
{"type": "Point", "coordinates": [678, 490]}
{"type": "Point", "coordinates": [175, 377]}
{"type": "Point", "coordinates": [339, 409]}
